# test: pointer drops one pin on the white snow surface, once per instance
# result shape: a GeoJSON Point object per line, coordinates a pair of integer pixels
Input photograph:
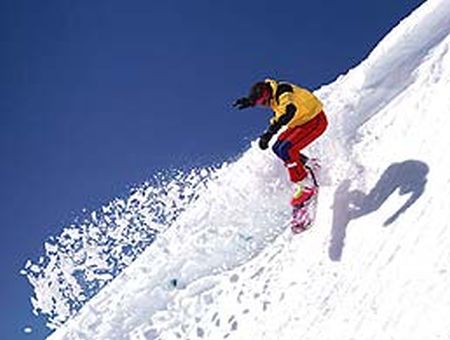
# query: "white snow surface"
{"type": "Point", "coordinates": [376, 264]}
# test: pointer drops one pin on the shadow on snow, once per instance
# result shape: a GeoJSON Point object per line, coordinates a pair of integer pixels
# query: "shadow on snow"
{"type": "Point", "coordinates": [410, 177]}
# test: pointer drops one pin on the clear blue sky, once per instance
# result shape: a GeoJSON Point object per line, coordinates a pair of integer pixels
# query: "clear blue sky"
{"type": "Point", "coordinates": [96, 96]}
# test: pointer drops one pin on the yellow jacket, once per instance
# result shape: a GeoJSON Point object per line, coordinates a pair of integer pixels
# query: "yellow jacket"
{"type": "Point", "coordinates": [284, 94]}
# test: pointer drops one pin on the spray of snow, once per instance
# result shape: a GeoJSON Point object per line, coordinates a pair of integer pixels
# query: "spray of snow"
{"type": "Point", "coordinates": [28, 330]}
{"type": "Point", "coordinates": [86, 256]}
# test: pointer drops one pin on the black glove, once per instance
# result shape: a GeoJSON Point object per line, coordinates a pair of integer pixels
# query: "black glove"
{"type": "Point", "coordinates": [264, 140]}
{"type": "Point", "coordinates": [243, 103]}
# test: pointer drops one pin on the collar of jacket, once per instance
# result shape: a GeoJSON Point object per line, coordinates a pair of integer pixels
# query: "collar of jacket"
{"type": "Point", "coordinates": [273, 84]}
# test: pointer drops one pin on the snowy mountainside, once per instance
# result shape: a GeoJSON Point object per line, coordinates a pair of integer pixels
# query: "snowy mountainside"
{"type": "Point", "coordinates": [376, 265]}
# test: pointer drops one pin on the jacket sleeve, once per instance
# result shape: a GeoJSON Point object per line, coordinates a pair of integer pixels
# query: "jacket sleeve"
{"type": "Point", "coordinates": [277, 124]}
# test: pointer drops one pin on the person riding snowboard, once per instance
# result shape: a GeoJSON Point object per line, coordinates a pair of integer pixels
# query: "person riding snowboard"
{"type": "Point", "coordinates": [302, 113]}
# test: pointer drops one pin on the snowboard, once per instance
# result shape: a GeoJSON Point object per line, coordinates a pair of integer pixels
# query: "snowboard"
{"type": "Point", "coordinates": [304, 214]}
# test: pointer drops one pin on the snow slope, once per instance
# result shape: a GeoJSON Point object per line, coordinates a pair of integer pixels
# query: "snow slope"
{"type": "Point", "coordinates": [377, 263]}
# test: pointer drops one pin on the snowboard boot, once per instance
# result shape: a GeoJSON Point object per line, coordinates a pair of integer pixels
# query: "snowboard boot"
{"type": "Point", "coordinates": [304, 191]}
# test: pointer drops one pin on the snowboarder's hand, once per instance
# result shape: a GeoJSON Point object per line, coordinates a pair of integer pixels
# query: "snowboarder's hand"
{"type": "Point", "coordinates": [243, 103]}
{"type": "Point", "coordinates": [264, 140]}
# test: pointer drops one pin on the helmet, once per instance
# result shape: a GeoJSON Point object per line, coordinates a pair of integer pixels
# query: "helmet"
{"type": "Point", "coordinates": [260, 93]}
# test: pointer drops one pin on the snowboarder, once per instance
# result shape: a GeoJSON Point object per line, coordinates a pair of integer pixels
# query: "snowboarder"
{"type": "Point", "coordinates": [302, 113]}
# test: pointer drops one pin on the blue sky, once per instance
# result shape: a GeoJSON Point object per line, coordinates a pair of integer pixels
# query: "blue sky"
{"type": "Point", "coordinates": [96, 96]}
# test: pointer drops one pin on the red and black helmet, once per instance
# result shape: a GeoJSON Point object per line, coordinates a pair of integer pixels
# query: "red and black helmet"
{"type": "Point", "coordinates": [260, 93]}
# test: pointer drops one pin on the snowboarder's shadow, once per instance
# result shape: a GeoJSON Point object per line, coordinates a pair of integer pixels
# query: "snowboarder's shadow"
{"type": "Point", "coordinates": [410, 177]}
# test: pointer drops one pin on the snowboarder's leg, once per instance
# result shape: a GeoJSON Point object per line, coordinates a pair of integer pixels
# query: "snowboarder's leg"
{"type": "Point", "coordinates": [300, 137]}
{"type": "Point", "coordinates": [288, 147]}
{"type": "Point", "coordinates": [293, 140]}
{"type": "Point", "coordinates": [282, 149]}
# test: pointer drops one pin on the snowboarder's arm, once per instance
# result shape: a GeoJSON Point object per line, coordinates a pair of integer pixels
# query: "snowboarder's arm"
{"type": "Point", "coordinates": [276, 125]}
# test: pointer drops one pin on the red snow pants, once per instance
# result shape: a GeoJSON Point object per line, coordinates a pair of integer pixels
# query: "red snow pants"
{"type": "Point", "coordinates": [293, 140]}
